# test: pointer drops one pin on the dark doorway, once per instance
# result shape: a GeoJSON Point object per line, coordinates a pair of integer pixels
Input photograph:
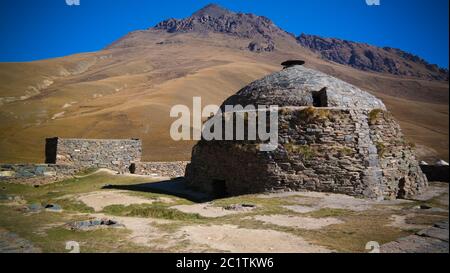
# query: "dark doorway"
{"type": "Point", "coordinates": [51, 149]}
{"type": "Point", "coordinates": [320, 98]}
{"type": "Point", "coordinates": [132, 168]}
{"type": "Point", "coordinates": [401, 189]}
{"type": "Point", "coordinates": [219, 188]}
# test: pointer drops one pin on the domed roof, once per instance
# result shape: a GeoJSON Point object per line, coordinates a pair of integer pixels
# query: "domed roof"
{"type": "Point", "coordinates": [297, 85]}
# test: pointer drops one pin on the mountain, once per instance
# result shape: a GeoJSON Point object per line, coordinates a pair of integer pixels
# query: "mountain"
{"type": "Point", "coordinates": [128, 89]}
{"type": "Point", "coordinates": [261, 31]}
{"type": "Point", "coordinates": [371, 58]}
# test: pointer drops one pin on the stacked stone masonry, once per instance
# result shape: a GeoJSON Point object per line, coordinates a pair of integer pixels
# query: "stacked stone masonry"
{"type": "Point", "coordinates": [67, 157]}
{"type": "Point", "coordinates": [351, 151]}
{"type": "Point", "coordinates": [164, 169]}
{"type": "Point", "coordinates": [332, 137]}
{"type": "Point", "coordinates": [36, 173]}
{"type": "Point", "coordinates": [117, 155]}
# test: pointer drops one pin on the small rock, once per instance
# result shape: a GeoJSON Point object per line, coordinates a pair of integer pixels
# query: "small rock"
{"type": "Point", "coordinates": [240, 207]}
{"type": "Point", "coordinates": [93, 224]}
{"type": "Point", "coordinates": [423, 207]}
{"type": "Point", "coordinates": [53, 208]}
{"type": "Point", "coordinates": [34, 208]}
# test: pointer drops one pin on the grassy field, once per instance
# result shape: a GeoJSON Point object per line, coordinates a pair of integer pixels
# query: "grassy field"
{"type": "Point", "coordinates": [158, 224]}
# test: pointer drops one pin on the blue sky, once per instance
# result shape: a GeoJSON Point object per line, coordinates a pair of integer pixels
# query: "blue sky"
{"type": "Point", "coordinates": [40, 29]}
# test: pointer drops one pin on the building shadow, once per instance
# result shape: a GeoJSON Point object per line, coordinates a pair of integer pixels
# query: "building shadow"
{"type": "Point", "coordinates": [175, 187]}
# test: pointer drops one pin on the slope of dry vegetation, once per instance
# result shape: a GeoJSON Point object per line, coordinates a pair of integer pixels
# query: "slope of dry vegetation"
{"type": "Point", "coordinates": [128, 91]}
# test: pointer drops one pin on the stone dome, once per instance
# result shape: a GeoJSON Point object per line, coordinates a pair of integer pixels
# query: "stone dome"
{"type": "Point", "coordinates": [332, 137]}
{"type": "Point", "coordinates": [300, 86]}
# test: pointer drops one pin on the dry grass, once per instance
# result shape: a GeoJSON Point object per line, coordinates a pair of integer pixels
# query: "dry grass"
{"type": "Point", "coordinates": [123, 93]}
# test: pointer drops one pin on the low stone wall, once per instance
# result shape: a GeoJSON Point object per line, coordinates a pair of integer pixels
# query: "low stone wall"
{"type": "Point", "coordinates": [36, 173]}
{"type": "Point", "coordinates": [162, 169]}
{"type": "Point", "coordinates": [66, 157]}
{"type": "Point", "coordinates": [436, 173]}
{"type": "Point", "coordinates": [114, 154]}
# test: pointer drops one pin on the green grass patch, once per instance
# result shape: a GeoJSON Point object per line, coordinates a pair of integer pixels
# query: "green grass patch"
{"type": "Point", "coordinates": [72, 205]}
{"type": "Point", "coordinates": [48, 193]}
{"type": "Point", "coordinates": [345, 151]}
{"type": "Point", "coordinates": [381, 149]}
{"type": "Point", "coordinates": [304, 150]}
{"type": "Point", "coordinates": [374, 115]}
{"type": "Point", "coordinates": [150, 211]}
{"type": "Point", "coordinates": [87, 171]}
{"type": "Point", "coordinates": [46, 231]}
{"type": "Point", "coordinates": [313, 115]}
{"type": "Point", "coordinates": [328, 212]}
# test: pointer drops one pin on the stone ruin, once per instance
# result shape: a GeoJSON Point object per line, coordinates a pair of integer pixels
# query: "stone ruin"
{"type": "Point", "coordinates": [114, 154]}
{"type": "Point", "coordinates": [65, 157]}
{"type": "Point", "coordinates": [333, 137]}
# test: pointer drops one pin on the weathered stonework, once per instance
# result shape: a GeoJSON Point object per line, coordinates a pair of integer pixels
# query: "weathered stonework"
{"type": "Point", "coordinates": [343, 148]}
{"type": "Point", "coordinates": [67, 157]}
{"type": "Point", "coordinates": [36, 173]}
{"type": "Point", "coordinates": [117, 155]}
{"type": "Point", "coordinates": [164, 169]}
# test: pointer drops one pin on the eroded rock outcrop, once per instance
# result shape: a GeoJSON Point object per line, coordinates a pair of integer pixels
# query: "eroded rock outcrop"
{"type": "Point", "coordinates": [371, 58]}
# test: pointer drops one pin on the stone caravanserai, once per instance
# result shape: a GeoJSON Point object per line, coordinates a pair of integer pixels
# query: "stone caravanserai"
{"type": "Point", "coordinates": [333, 137]}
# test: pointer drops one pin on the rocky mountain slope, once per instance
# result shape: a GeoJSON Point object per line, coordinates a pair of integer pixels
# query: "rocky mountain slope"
{"type": "Point", "coordinates": [128, 89]}
{"type": "Point", "coordinates": [371, 58]}
{"type": "Point", "coordinates": [261, 31]}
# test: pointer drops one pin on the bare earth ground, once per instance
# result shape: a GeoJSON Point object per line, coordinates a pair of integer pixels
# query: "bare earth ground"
{"type": "Point", "coordinates": [154, 222]}
{"type": "Point", "coordinates": [100, 200]}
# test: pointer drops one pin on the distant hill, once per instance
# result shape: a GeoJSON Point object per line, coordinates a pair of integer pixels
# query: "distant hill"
{"type": "Point", "coordinates": [371, 58]}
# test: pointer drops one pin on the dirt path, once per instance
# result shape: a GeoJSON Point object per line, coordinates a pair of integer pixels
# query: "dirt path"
{"type": "Point", "coordinates": [102, 199]}
{"type": "Point", "coordinates": [229, 238]}
{"type": "Point", "coordinates": [207, 210]}
{"type": "Point", "coordinates": [307, 223]}
{"type": "Point", "coordinates": [143, 230]}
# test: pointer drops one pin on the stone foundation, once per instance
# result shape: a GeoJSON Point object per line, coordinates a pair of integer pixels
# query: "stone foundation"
{"type": "Point", "coordinates": [164, 169]}
{"type": "Point", "coordinates": [36, 173]}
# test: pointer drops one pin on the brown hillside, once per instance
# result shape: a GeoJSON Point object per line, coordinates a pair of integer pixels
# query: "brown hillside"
{"type": "Point", "coordinates": [128, 89]}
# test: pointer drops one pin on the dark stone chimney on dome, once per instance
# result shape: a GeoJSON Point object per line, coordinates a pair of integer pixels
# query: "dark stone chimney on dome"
{"type": "Point", "coordinates": [291, 63]}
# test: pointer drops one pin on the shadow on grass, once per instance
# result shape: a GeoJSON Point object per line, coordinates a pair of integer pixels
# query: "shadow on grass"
{"type": "Point", "coordinates": [175, 187]}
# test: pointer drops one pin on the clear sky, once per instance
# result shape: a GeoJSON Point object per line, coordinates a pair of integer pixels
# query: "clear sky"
{"type": "Point", "coordinates": [40, 29]}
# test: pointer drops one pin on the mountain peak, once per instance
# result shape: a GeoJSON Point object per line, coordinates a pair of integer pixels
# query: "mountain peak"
{"type": "Point", "coordinates": [212, 10]}
{"type": "Point", "coordinates": [258, 30]}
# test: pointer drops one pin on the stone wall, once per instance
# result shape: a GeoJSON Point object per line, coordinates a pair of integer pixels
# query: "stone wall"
{"type": "Point", "coordinates": [356, 152]}
{"type": "Point", "coordinates": [66, 157]}
{"type": "Point", "coordinates": [163, 169]}
{"type": "Point", "coordinates": [401, 174]}
{"type": "Point", "coordinates": [36, 173]}
{"type": "Point", "coordinates": [117, 155]}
